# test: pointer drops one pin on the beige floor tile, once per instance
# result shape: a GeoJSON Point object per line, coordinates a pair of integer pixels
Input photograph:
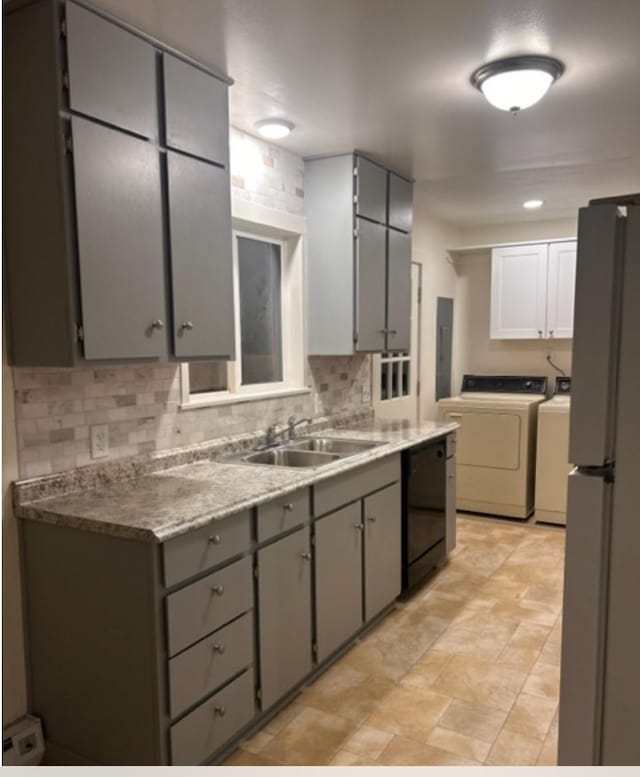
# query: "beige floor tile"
{"type": "Point", "coordinates": [550, 654]}
{"type": "Point", "coordinates": [543, 680]}
{"type": "Point", "coordinates": [347, 758]}
{"type": "Point", "coordinates": [532, 612]}
{"type": "Point", "coordinates": [460, 584]}
{"type": "Point", "coordinates": [409, 712]}
{"type": "Point", "coordinates": [243, 758]}
{"type": "Point", "coordinates": [426, 669]}
{"type": "Point", "coordinates": [478, 633]}
{"type": "Point", "coordinates": [257, 742]}
{"type": "Point", "coordinates": [514, 749]}
{"type": "Point", "coordinates": [283, 718]}
{"type": "Point", "coordinates": [531, 715]}
{"type": "Point", "coordinates": [406, 752]}
{"type": "Point", "coordinates": [378, 660]}
{"type": "Point", "coordinates": [473, 720]}
{"type": "Point", "coordinates": [346, 692]}
{"type": "Point", "coordinates": [549, 753]}
{"type": "Point", "coordinates": [479, 681]}
{"type": "Point", "coordinates": [500, 588]}
{"type": "Point", "coordinates": [368, 741]}
{"type": "Point", "coordinates": [458, 744]}
{"type": "Point", "coordinates": [524, 647]}
{"type": "Point", "coordinates": [312, 738]}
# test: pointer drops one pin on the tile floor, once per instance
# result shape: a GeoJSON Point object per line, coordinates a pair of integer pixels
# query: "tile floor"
{"type": "Point", "coordinates": [466, 671]}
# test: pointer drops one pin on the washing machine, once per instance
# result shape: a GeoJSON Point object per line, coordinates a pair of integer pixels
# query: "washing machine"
{"type": "Point", "coordinates": [496, 442]}
{"type": "Point", "coordinates": [552, 456]}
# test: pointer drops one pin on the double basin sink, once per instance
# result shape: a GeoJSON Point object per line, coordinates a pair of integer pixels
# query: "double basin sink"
{"type": "Point", "coordinates": [309, 452]}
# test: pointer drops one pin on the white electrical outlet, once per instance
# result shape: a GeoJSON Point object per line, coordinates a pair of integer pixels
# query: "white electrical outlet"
{"type": "Point", "coordinates": [99, 441]}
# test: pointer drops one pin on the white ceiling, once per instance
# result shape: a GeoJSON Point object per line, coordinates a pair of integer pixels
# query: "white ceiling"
{"type": "Point", "coordinates": [391, 78]}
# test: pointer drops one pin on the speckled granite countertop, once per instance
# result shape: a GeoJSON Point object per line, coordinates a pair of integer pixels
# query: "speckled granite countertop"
{"type": "Point", "coordinates": [165, 504]}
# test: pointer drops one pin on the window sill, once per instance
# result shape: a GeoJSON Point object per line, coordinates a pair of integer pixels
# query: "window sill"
{"type": "Point", "coordinates": [235, 399]}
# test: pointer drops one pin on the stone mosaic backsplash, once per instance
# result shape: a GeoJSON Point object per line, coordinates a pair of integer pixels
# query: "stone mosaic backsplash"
{"type": "Point", "coordinates": [140, 404]}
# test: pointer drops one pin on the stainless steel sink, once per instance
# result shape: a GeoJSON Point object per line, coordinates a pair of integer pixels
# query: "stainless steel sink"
{"type": "Point", "coordinates": [333, 445]}
{"type": "Point", "coordinates": [288, 457]}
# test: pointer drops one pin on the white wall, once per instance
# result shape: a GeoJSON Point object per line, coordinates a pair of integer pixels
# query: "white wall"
{"type": "Point", "coordinates": [431, 239]}
{"type": "Point", "coordinates": [14, 692]}
{"type": "Point", "coordinates": [517, 232]}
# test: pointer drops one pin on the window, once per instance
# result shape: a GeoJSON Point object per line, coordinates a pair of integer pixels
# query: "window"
{"type": "Point", "coordinates": [394, 375]}
{"type": "Point", "coordinates": [269, 327]}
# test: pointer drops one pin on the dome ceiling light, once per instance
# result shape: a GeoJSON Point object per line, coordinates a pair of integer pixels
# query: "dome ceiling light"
{"type": "Point", "coordinates": [516, 83]}
{"type": "Point", "coordinates": [533, 204]}
{"type": "Point", "coordinates": [274, 129]}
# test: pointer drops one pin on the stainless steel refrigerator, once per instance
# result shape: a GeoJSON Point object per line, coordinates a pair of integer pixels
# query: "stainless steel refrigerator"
{"type": "Point", "coordinates": [600, 669]}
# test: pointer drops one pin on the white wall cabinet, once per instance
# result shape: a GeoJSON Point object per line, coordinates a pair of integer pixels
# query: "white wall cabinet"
{"type": "Point", "coordinates": [532, 291]}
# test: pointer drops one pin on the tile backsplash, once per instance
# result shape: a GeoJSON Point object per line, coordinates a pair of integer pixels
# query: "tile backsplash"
{"type": "Point", "coordinates": [140, 404]}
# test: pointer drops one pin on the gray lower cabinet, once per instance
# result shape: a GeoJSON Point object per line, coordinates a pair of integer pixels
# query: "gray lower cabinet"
{"type": "Point", "coordinates": [450, 536]}
{"type": "Point", "coordinates": [338, 578]}
{"type": "Point", "coordinates": [382, 550]}
{"type": "Point", "coordinates": [284, 605]}
{"type": "Point", "coordinates": [358, 255]}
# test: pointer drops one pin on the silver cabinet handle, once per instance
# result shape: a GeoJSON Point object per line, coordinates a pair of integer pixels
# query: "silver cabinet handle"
{"type": "Point", "coordinates": [288, 506]}
{"type": "Point", "coordinates": [157, 324]}
{"type": "Point", "coordinates": [539, 332]}
{"type": "Point", "coordinates": [306, 556]}
{"type": "Point", "coordinates": [372, 519]}
{"type": "Point", "coordinates": [393, 332]}
{"type": "Point", "coordinates": [215, 539]}
{"type": "Point", "coordinates": [358, 526]}
{"type": "Point", "coordinates": [218, 589]}
{"type": "Point", "coordinates": [551, 333]}
{"type": "Point", "coordinates": [220, 710]}
{"type": "Point", "coordinates": [217, 647]}
{"type": "Point", "coordinates": [186, 325]}
{"type": "Point", "coordinates": [451, 477]}
{"type": "Point", "coordinates": [382, 331]}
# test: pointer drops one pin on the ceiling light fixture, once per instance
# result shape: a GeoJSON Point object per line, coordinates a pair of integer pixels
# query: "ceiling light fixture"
{"type": "Point", "coordinates": [516, 83]}
{"type": "Point", "coordinates": [532, 204]}
{"type": "Point", "coordinates": [274, 129]}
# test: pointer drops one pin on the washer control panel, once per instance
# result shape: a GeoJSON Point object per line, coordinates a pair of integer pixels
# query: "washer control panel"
{"type": "Point", "coordinates": [563, 385]}
{"type": "Point", "coordinates": [505, 384]}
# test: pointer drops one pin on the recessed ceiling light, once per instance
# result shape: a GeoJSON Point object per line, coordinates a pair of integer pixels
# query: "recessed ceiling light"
{"type": "Point", "coordinates": [274, 129]}
{"type": "Point", "coordinates": [516, 83]}
{"type": "Point", "coordinates": [532, 204]}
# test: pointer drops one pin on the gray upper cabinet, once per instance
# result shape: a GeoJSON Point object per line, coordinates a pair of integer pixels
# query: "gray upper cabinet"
{"type": "Point", "coordinates": [398, 291]}
{"type": "Point", "coordinates": [120, 242]}
{"type": "Point", "coordinates": [201, 261]}
{"type": "Point", "coordinates": [284, 595]}
{"type": "Point", "coordinates": [382, 549]}
{"type": "Point", "coordinates": [400, 203]}
{"type": "Point", "coordinates": [371, 276]}
{"type": "Point", "coordinates": [356, 257]}
{"type": "Point", "coordinates": [338, 577]}
{"type": "Point", "coordinates": [196, 111]}
{"type": "Point", "coordinates": [116, 247]}
{"type": "Point", "coordinates": [112, 74]}
{"type": "Point", "coordinates": [371, 190]}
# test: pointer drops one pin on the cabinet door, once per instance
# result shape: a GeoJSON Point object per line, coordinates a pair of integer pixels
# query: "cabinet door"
{"type": "Point", "coordinates": [201, 260]}
{"type": "Point", "coordinates": [371, 191]}
{"type": "Point", "coordinates": [561, 289]}
{"type": "Point", "coordinates": [518, 291]}
{"type": "Point", "coordinates": [399, 292]}
{"type": "Point", "coordinates": [338, 576]}
{"type": "Point", "coordinates": [382, 549]}
{"type": "Point", "coordinates": [450, 504]}
{"type": "Point", "coordinates": [112, 73]}
{"type": "Point", "coordinates": [284, 591]}
{"type": "Point", "coordinates": [400, 203]}
{"type": "Point", "coordinates": [120, 243]}
{"type": "Point", "coordinates": [196, 111]}
{"type": "Point", "coordinates": [371, 282]}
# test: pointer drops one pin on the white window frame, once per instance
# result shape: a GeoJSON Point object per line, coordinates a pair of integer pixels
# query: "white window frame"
{"type": "Point", "coordinates": [287, 231]}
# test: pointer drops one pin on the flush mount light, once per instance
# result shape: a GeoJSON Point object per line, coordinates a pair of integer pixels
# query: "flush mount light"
{"type": "Point", "coordinates": [532, 204]}
{"type": "Point", "coordinates": [274, 129]}
{"type": "Point", "coordinates": [516, 83]}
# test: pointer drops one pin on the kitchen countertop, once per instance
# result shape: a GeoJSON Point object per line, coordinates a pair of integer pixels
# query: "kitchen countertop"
{"type": "Point", "coordinates": [162, 505]}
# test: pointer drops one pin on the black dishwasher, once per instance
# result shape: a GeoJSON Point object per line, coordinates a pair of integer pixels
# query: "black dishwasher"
{"type": "Point", "coordinates": [424, 497]}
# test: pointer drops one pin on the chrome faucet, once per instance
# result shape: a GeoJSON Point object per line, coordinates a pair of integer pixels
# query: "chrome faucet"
{"type": "Point", "coordinates": [292, 423]}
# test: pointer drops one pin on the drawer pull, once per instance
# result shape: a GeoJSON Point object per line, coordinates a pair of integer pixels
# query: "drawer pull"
{"type": "Point", "coordinates": [220, 710]}
{"type": "Point", "coordinates": [372, 519]}
{"type": "Point", "coordinates": [306, 556]}
{"type": "Point", "coordinates": [218, 647]}
{"type": "Point", "coordinates": [358, 526]}
{"type": "Point", "coordinates": [288, 506]}
{"type": "Point", "coordinates": [215, 538]}
{"type": "Point", "coordinates": [218, 589]}
{"type": "Point", "coordinates": [451, 476]}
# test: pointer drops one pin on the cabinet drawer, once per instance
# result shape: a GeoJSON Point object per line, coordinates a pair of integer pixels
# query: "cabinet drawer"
{"type": "Point", "coordinates": [112, 73]}
{"type": "Point", "coordinates": [209, 663]}
{"type": "Point", "coordinates": [282, 514]}
{"type": "Point", "coordinates": [341, 490]}
{"type": "Point", "coordinates": [199, 608]}
{"type": "Point", "coordinates": [209, 726]}
{"type": "Point", "coordinates": [451, 445]}
{"type": "Point", "coordinates": [199, 550]}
